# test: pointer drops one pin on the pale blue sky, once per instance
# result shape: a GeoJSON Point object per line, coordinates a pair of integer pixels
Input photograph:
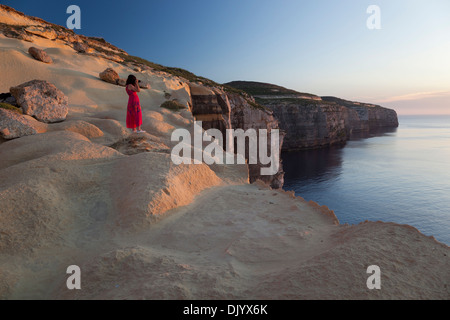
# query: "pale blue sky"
{"type": "Point", "coordinates": [317, 46]}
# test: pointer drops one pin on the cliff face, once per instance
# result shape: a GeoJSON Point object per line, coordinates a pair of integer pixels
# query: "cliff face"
{"type": "Point", "coordinates": [313, 122]}
{"type": "Point", "coordinates": [370, 116]}
{"type": "Point", "coordinates": [224, 110]}
{"type": "Point", "coordinates": [309, 124]}
{"type": "Point", "coordinates": [246, 116]}
{"type": "Point", "coordinates": [205, 107]}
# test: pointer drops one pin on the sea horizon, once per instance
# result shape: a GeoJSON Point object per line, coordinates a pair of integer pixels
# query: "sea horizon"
{"type": "Point", "coordinates": [398, 159]}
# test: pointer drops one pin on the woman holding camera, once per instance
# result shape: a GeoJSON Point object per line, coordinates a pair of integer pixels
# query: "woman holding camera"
{"type": "Point", "coordinates": [134, 111]}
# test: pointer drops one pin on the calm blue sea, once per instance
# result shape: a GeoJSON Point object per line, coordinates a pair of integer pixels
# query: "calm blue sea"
{"type": "Point", "coordinates": [400, 176]}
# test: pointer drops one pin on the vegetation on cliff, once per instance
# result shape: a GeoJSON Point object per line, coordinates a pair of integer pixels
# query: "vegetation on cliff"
{"type": "Point", "coordinates": [10, 107]}
{"type": "Point", "coordinates": [265, 89]}
{"type": "Point", "coordinates": [313, 122]}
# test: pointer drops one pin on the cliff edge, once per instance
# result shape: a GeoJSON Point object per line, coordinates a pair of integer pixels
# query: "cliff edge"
{"type": "Point", "coordinates": [311, 121]}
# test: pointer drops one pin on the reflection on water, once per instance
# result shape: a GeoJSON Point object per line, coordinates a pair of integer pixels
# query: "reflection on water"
{"type": "Point", "coordinates": [316, 165]}
{"type": "Point", "coordinates": [377, 132]}
{"type": "Point", "coordinates": [400, 175]}
{"type": "Point", "coordinates": [325, 164]}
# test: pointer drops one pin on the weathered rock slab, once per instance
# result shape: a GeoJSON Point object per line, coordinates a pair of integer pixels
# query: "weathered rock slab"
{"type": "Point", "coordinates": [14, 125]}
{"type": "Point", "coordinates": [17, 34]}
{"type": "Point", "coordinates": [122, 82]}
{"type": "Point", "coordinates": [144, 85]}
{"type": "Point", "coordinates": [80, 47]}
{"type": "Point", "coordinates": [45, 32]}
{"type": "Point", "coordinates": [110, 76]}
{"type": "Point", "coordinates": [42, 100]}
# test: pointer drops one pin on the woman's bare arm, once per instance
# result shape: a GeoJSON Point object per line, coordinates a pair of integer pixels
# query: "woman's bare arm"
{"type": "Point", "coordinates": [138, 89]}
{"type": "Point", "coordinates": [134, 88]}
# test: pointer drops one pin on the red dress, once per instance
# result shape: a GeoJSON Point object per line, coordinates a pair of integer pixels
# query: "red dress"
{"type": "Point", "coordinates": [134, 111]}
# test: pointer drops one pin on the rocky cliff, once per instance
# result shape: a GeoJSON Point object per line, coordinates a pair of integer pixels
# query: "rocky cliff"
{"type": "Point", "coordinates": [221, 109]}
{"type": "Point", "coordinates": [311, 124]}
{"type": "Point", "coordinates": [311, 121]}
{"type": "Point", "coordinates": [246, 114]}
{"type": "Point", "coordinates": [370, 116]}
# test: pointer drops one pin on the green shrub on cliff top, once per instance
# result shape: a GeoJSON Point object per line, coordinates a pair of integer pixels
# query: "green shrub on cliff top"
{"type": "Point", "coordinates": [173, 71]}
{"type": "Point", "coordinates": [265, 89]}
{"type": "Point", "coordinates": [10, 107]}
{"type": "Point", "coordinates": [173, 105]}
{"type": "Point", "coordinates": [257, 106]}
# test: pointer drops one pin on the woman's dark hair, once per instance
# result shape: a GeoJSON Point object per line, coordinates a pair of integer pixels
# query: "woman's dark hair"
{"type": "Point", "coordinates": [131, 80]}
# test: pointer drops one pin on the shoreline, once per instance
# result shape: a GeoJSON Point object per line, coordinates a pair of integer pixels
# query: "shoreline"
{"type": "Point", "coordinates": [327, 185]}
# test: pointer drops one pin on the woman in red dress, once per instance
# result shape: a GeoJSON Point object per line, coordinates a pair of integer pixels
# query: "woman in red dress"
{"type": "Point", "coordinates": [134, 111]}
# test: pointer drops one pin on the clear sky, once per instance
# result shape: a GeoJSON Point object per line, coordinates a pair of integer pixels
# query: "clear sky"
{"type": "Point", "coordinates": [317, 46]}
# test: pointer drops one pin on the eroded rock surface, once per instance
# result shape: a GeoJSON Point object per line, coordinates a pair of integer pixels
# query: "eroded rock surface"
{"type": "Point", "coordinates": [14, 125]}
{"type": "Point", "coordinates": [42, 100]}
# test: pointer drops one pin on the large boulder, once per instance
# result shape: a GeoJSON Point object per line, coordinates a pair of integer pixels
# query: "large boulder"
{"type": "Point", "coordinates": [110, 75]}
{"type": "Point", "coordinates": [42, 100]}
{"type": "Point", "coordinates": [80, 47]}
{"type": "Point", "coordinates": [40, 55]}
{"type": "Point", "coordinates": [144, 85]}
{"type": "Point", "coordinates": [122, 82]}
{"type": "Point", "coordinates": [45, 32]}
{"type": "Point", "coordinates": [15, 125]}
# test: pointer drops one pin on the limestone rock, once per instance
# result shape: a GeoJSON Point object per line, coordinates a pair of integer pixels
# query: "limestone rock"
{"type": "Point", "coordinates": [243, 115]}
{"type": "Point", "coordinates": [40, 55]}
{"type": "Point", "coordinates": [313, 122]}
{"type": "Point", "coordinates": [14, 125]}
{"type": "Point", "coordinates": [220, 110]}
{"type": "Point", "coordinates": [122, 82]}
{"type": "Point", "coordinates": [138, 144]}
{"type": "Point", "coordinates": [110, 75]}
{"type": "Point", "coordinates": [42, 100]}
{"type": "Point", "coordinates": [45, 32]}
{"type": "Point", "coordinates": [145, 67]}
{"type": "Point", "coordinates": [80, 47]}
{"type": "Point", "coordinates": [109, 56]}
{"type": "Point", "coordinates": [84, 128]}
{"type": "Point", "coordinates": [371, 116]}
{"type": "Point", "coordinates": [17, 34]}
{"type": "Point", "coordinates": [144, 85]}
{"type": "Point", "coordinates": [67, 36]}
